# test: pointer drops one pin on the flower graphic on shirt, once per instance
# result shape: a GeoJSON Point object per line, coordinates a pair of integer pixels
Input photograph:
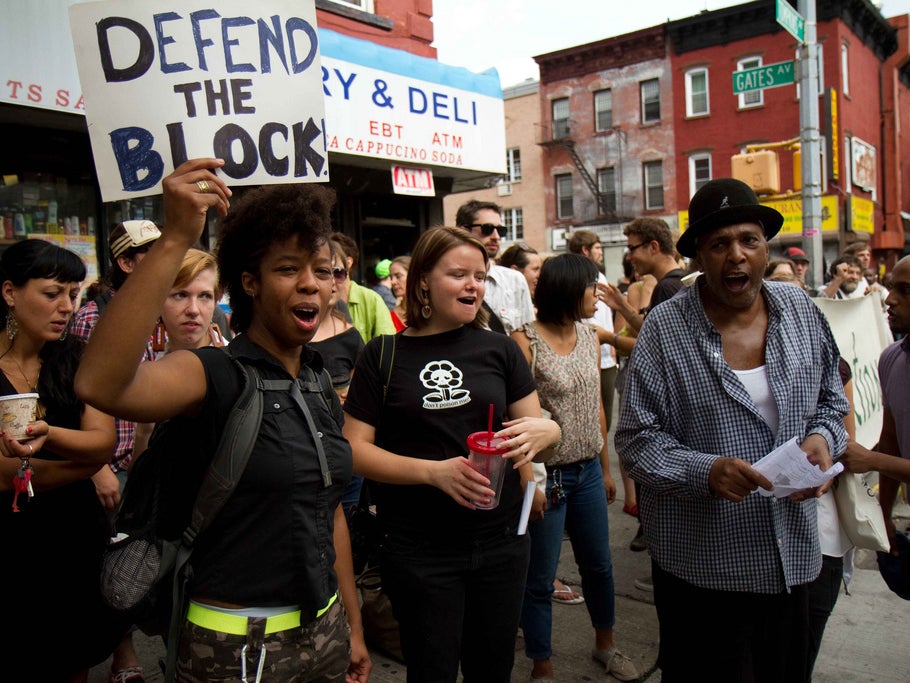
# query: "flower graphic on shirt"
{"type": "Point", "coordinates": [444, 380]}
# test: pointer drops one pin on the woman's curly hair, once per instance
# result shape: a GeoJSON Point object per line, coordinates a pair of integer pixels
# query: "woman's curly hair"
{"type": "Point", "coordinates": [261, 218]}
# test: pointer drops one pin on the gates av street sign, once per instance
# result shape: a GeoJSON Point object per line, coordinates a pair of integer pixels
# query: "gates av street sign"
{"type": "Point", "coordinates": [762, 77]}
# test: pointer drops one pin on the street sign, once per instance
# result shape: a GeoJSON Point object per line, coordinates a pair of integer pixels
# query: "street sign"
{"type": "Point", "coordinates": [762, 77]}
{"type": "Point", "coordinates": [791, 20]}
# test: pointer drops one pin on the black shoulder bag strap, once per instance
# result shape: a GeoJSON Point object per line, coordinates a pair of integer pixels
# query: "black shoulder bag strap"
{"type": "Point", "coordinates": [386, 362]}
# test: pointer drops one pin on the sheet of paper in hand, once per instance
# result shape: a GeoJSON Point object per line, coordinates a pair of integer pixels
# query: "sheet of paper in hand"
{"type": "Point", "coordinates": [789, 469]}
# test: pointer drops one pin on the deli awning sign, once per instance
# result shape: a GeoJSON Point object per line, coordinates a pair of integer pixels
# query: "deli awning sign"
{"type": "Point", "coordinates": [164, 83]}
{"type": "Point", "coordinates": [414, 181]}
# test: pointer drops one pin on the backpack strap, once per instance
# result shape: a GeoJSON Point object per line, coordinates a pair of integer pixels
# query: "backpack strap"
{"type": "Point", "coordinates": [221, 478]}
{"type": "Point", "coordinates": [103, 299]}
{"type": "Point", "coordinates": [386, 361]}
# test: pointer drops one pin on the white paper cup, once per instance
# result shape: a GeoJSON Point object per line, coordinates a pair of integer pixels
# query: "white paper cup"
{"type": "Point", "coordinates": [17, 412]}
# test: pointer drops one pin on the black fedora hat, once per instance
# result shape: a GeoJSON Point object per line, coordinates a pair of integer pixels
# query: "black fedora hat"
{"type": "Point", "coordinates": [722, 202]}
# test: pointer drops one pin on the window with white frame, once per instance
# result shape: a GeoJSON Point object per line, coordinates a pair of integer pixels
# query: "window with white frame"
{"type": "Point", "coordinates": [697, 92]}
{"type": "Point", "coordinates": [606, 186]}
{"type": "Point", "coordinates": [365, 5]}
{"type": "Point", "coordinates": [845, 67]}
{"type": "Point", "coordinates": [699, 171]}
{"type": "Point", "coordinates": [565, 201]}
{"type": "Point", "coordinates": [654, 184]}
{"type": "Point", "coordinates": [560, 118]}
{"type": "Point", "coordinates": [650, 100]}
{"type": "Point", "coordinates": [603, 110]}
{"type": "Point", "coordinates": [513, 220]}
{"type": "Point", "coordinates": [513, 164]}
{"type": "Point", "coordinates": [753, 98]}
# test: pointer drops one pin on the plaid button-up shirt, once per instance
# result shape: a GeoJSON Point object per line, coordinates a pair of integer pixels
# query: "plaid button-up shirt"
{"type": "Point", "coordinates": [82, 324]}
{"type": "Point", "coordinates": [684, 407]}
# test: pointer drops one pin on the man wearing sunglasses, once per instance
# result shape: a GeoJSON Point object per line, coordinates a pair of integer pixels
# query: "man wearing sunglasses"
{"type": "Point", "coordinates": [507, 298]}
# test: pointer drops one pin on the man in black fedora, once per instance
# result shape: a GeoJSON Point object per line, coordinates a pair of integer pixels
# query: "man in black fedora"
{"type": "Point", "coordinates": [722, 374]}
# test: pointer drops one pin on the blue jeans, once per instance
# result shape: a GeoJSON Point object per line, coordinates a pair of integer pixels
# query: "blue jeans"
{"type": "Point", "coordinates": [584, 514]}
{"type": "Point", "coordinates": [456, 604]}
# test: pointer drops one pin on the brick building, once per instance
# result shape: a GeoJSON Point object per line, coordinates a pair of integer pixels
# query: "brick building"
{"type": "Point", "coordinates": [519, 191]}
{"type": "Point", "coordinates": [863, 86]}
{"type": "Point", "coordinates": [608, 113]}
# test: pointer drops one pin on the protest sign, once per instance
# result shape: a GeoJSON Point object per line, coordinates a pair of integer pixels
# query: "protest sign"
{"type": "Point", "coordinates": [861, 334]}
{"type": "Point", "coordinates": [164, 82]}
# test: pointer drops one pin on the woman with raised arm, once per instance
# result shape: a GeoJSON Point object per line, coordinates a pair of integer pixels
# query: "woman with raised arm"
{"type": "Point", "coordinates": [53, 540]}
{"type": "Point", "coordinates": [268, 572]}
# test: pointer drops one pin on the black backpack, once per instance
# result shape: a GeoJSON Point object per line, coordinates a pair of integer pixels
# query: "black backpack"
{"type": "Point", "coordinates": [146, 565]}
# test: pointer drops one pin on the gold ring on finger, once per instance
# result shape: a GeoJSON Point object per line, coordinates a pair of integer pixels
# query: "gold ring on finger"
{"type": "Point", "coordinates": [30, 449]}
{"type": "Point", "coordinates": [203, 186]}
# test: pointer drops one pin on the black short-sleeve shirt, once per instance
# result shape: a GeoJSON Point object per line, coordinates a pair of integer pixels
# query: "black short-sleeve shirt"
{"type": "Point", "coordinates": [441, 389]}
{"type": "Point", "coordinates": [272, 543]}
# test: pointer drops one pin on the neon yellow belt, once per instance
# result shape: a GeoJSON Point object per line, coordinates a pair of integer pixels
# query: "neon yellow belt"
{"type": "Point", "coordinates": [236, 625]}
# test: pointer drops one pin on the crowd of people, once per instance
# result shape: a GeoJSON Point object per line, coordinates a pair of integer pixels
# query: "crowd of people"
{"type": "Point", "coordinates": [444, 342]}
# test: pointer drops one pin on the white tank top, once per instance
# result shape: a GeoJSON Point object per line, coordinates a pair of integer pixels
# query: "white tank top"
{"type": "Point", "coordinates": [756, 383]}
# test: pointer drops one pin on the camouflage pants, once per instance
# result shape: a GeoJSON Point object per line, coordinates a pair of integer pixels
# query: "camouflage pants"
{"type": "Point", "coordinates": [318, 652]}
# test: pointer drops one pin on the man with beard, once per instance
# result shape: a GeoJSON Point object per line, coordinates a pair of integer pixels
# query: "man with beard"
{"type": "Point", "coordinates": [894, 374]}
{"type": "Point", "coordinates": [846, 275]}
{"type": "Point", "coordinates": [507, 299]}
{"type": "Point", "coordinates": [722, 374]}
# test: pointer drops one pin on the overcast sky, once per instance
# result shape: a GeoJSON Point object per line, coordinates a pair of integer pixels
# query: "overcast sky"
{"type": "Point", "coordinates": [479, 34]}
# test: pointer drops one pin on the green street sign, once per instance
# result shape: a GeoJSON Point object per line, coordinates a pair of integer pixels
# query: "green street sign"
{"type": "Point", "coordinates": [762, 77]}
{"type": "Point", "coordinates": [791, 20]}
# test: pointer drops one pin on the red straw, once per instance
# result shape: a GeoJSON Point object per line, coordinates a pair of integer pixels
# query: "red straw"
{"type": "Point", "coordinates": [490, 428]}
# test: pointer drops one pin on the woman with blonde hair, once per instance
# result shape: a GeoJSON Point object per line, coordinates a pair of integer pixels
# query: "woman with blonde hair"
{"type": "Point", "coordinates": [186, 315]}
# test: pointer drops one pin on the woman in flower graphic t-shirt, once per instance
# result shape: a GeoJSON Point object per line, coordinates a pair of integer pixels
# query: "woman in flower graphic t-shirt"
{"type": "Point", "coordinates": [454, 573]}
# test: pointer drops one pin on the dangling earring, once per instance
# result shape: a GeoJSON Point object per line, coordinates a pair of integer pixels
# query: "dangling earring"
{"type": "Point", "coordinates": [12, 325]}
{"type": "Point", "coordinates": [62, 336]}
{"type": "Point", "coordinates": [425, 310]}
{"type": "Point", "coordinates": [159, 337]}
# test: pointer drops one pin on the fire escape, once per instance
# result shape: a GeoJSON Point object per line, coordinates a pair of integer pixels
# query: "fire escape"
{"type": "Point", "coordinates": [562, 138]}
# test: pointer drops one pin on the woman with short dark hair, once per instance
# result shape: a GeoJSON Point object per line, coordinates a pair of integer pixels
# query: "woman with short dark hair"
{"type": "Point", "coordinates": [565, 358]}
{"type": "Point", "coordinates": [267, 573]}
{"type": "Point", "coordinates": [55, 539]}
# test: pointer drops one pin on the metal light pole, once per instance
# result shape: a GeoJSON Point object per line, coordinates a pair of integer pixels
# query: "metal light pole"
{"type": "Point", "coordinates": [811, 148]}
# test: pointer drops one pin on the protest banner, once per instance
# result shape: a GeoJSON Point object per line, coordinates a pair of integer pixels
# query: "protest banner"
{"type": "Point", "coordinates": [861, 334]}
{"type": "Point", "coordinates": [166, 82]}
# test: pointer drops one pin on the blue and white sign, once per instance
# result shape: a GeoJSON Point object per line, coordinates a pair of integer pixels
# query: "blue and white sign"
{"type": "Point", "coordinates": [162, 84]}
{"type": "Point", "coordinates": [389, 104]}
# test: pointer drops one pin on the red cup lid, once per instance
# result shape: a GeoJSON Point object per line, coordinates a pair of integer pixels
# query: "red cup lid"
{"type": "Point", "coordinates": [477, 442]}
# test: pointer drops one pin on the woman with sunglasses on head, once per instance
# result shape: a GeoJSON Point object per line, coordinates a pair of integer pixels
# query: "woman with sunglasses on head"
{"type": "Point", "coordinates": [398, 274]}
{"type": "Point", "coordinates": [271, 577]}
{"type": "Point", "coordinates": [54, 540]}
{"type": "Point", "coordinates": [564, 354]}
{"type": "Point", "coordinates": [525, 260]}
{"type": "Point", "coordinates": [453, 573]}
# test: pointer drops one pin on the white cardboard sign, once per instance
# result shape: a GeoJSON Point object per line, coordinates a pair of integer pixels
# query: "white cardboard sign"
{"type": "Point", "coordinates": [168, 81]}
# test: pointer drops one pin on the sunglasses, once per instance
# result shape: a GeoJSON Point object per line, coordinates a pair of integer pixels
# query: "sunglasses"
{"type": "Point", "coordinates": [340, 274]}
{"type": "Point", "coordinates": [486, 229]}
{"type": "Point", "coordinates": [631, 248]}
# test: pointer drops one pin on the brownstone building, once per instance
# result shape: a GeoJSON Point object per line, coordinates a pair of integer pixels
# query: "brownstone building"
{"type": "Point", "coordinates": [518, 192]}
{"type": "Point", "coordinates": [607, 113]}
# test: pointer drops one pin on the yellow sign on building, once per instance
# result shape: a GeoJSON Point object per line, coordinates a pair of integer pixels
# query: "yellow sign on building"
{"type": "Point", "coordinates": [862, 215]}
{"type": "Point", "coordinates": [792, 211]}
